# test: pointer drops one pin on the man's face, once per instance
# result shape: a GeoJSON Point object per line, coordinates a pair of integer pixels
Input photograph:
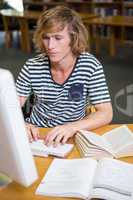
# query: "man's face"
{"type": "Point", "coordinates": [57, 45]}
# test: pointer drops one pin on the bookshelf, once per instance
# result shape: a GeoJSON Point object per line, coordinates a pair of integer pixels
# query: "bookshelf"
{"type": "Point", "coordinates": [80, 5]}
{"type": "Point", "coordinates": [103, 7]}
{"type": "Point", "coordinates": [128, 11]}
{"type": "Point", "coordinates": [100, 7]}
{"type": "Point", "coordinates": [106, 8]}
{"type": "Point", "coordinates": [128, 8]}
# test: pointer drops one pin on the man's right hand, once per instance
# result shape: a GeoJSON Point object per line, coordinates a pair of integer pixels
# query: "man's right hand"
{"type": "Point", "coordinates": [32, 131]}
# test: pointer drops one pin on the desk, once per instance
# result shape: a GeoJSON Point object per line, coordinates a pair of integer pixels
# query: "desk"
{"type": "Point", "coordinates": [23, 22]}
{"type": "Point", "coordinates": [16, 192]}
{"type": "Point", "coordinates": [112, 22]}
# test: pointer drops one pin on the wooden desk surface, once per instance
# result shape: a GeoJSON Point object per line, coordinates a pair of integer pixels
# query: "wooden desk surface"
{"type": "Point", "coordinates": [126, 21]}
{"type": "Point", "coordinates": [16, 192]}
{"type": "Point", "coordinates": [113, 22]}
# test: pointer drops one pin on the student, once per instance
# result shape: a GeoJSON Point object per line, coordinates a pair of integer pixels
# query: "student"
{"type": "Point", "coordinates": [64, 78]}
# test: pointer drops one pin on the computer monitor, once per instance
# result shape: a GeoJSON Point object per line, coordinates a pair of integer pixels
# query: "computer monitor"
{"type": "Point", "coordinates": [16, 160]}
{"type": "Point", "coordinates": [15, 4]}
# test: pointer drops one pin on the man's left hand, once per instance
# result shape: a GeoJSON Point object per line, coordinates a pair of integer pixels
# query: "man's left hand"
{"type": "Point", "coordinates": [60, 134]}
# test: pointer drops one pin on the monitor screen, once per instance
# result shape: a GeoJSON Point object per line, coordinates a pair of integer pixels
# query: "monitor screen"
{"type": "Point", "coordinates": [15, 4]}
{"type": "Point", "coordinates": [16, 159]}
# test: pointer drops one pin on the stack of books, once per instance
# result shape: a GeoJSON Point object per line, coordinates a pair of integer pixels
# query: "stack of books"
{"type": "Point", "coordinates": [115, 143]}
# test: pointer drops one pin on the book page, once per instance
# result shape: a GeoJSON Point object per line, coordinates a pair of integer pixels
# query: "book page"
{"type": "Point", "coordinates": [39, 148]}
{"type": "Point", "coordinates": [125, 151]}
{"type": "Point", "coordinates": [114, 175]}
{"type": "Point", "coordinates": [102, 193]}
{"type": "Point", "coordinates": [91, 152]}
{"type": "Point", "coordinates": [68, 178]}
{"type": "Point", "coordinates": [86, 140]}
{"type": "Point", "coordinates": [96, 140]}
{"type": "Point", "coordinates": [119, 138]}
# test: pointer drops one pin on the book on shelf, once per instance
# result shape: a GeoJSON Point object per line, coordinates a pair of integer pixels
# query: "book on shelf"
{"type": "Point", "coordinates": [115, 143]}
{"type": "Point", "coordinates": [38, 148]}
{"type": "Point", "coordinates": [86, 178]}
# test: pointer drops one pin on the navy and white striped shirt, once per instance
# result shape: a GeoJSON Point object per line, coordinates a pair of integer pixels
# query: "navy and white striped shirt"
{"type": "Point", "coordinates": [60, 103]}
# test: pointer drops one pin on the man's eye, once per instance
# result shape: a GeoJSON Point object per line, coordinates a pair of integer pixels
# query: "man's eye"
{"type": "Point", "coordinates": [58, 38]}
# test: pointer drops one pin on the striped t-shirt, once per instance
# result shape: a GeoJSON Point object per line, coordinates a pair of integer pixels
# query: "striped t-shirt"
{"type": "Point", "coordinates": [56, 103]}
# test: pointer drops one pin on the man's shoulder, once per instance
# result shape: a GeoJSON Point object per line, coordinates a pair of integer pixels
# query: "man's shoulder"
{"type": "Point", "coordinates": [88, 57]}
{"type": "Point", "coordinates": [88, 62]}
{"type": "Point", "coordinates": [39, 59]}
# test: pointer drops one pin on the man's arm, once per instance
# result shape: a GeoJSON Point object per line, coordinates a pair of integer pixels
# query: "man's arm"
{"type": "Point", "coordinates": [32, 131]}
{"type": "Point", "coordinates": [22, 100]}
{"type": "Point", "coordinates": [101, 117]}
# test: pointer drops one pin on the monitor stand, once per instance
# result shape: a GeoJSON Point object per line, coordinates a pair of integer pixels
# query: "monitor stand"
{"type": "Point", "coordinates": [4, 181]}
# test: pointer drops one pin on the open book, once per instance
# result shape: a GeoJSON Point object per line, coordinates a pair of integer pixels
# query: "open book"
{"type": "Point", "coordinates": [116, 143]}
{"type": "Point", "coordinates": [87, 178]}
{"type": "Point", "coordinates": [38, 148]}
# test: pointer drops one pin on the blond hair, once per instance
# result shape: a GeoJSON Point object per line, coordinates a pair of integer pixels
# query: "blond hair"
{"type": "Point", "coordinates": [54, 20]}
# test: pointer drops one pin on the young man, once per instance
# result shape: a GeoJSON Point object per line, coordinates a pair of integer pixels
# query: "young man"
{"type": "Point", "coordinates": [64, 78]}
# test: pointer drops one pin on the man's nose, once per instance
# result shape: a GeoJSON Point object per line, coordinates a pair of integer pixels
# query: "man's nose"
{"type": "Point", "coordinates": [51, 43]}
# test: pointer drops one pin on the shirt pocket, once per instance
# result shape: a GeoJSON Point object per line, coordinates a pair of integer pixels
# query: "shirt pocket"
{"type": "Point", "coordinates": [75, 92]}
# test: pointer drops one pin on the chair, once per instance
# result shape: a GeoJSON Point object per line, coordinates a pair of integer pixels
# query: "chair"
{"type": "Point", "coordinates": [90, 109]}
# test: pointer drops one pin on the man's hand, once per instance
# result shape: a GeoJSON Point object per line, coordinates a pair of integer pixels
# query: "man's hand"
{"type": "Point", "coordinates": [60, 134]}
{"type": "Point", "coordinates": [32, 131]}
